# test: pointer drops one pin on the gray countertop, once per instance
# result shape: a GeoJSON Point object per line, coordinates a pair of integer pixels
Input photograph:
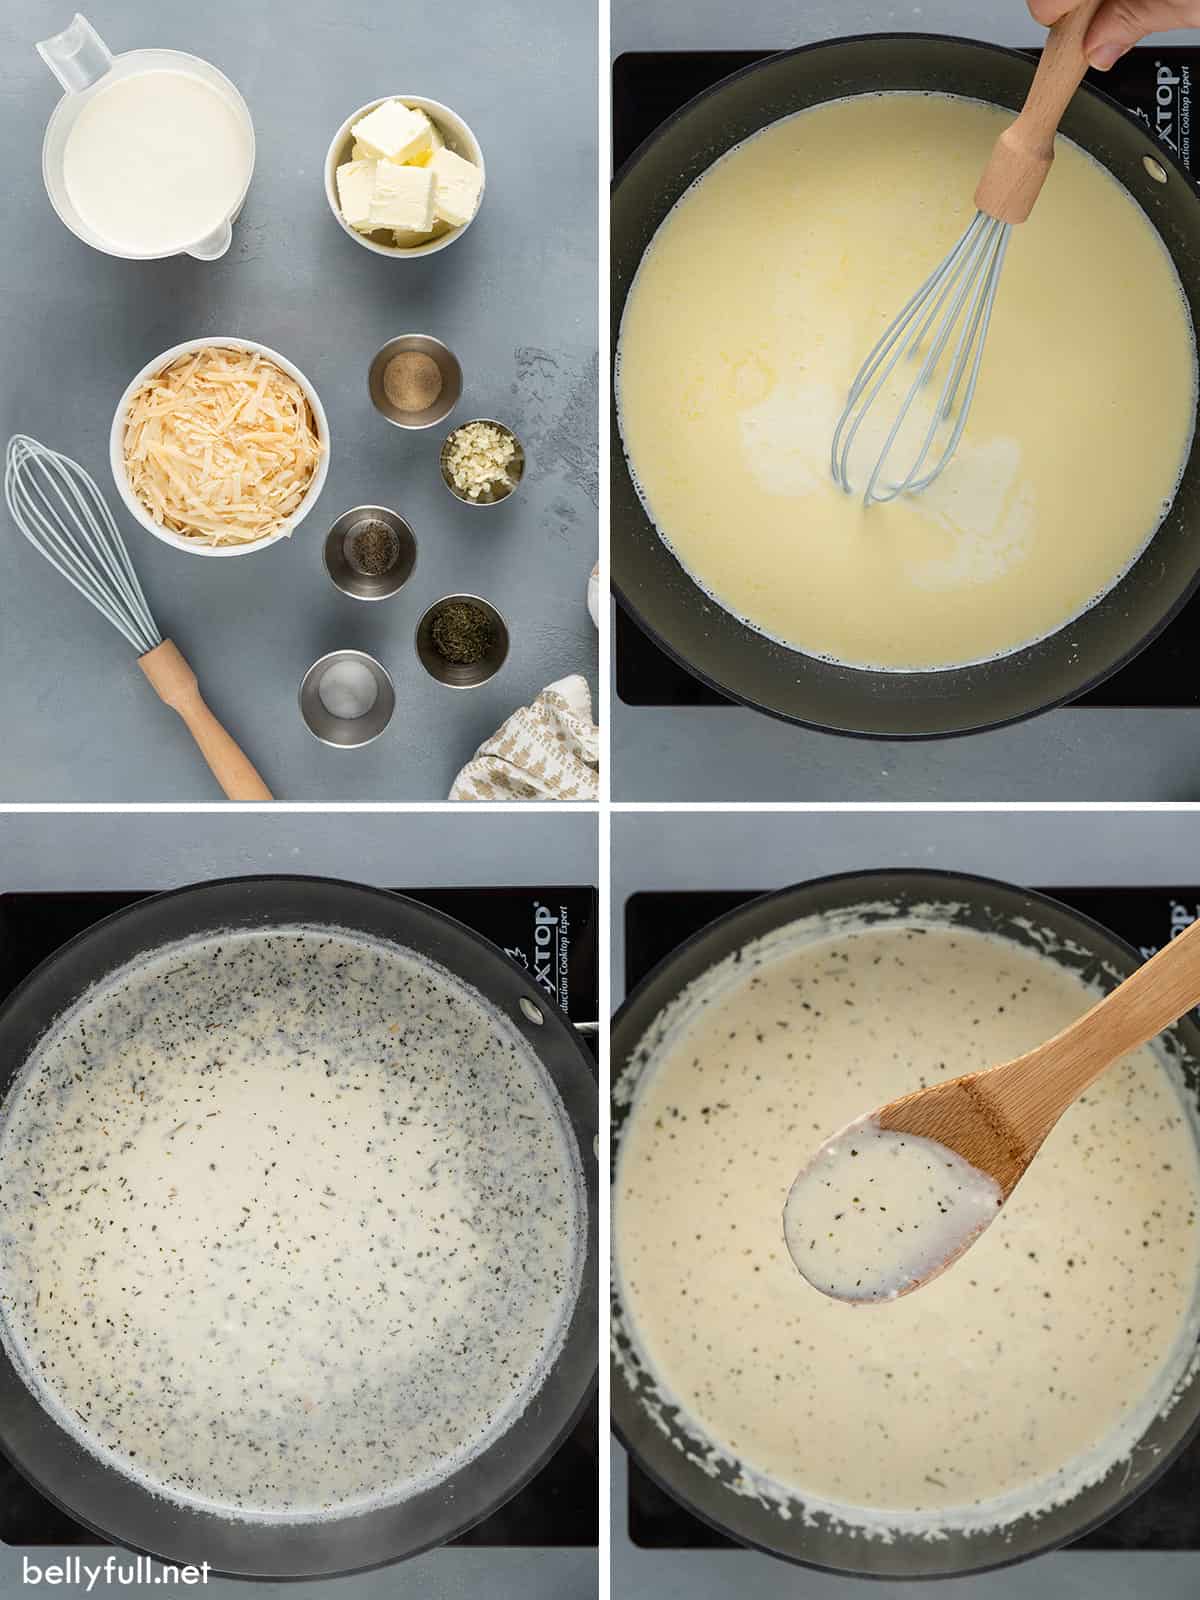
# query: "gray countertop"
{"type": "Point", "coordinates": [731, 754]}
{"type": "Point", "coordinates": [515, 299]}
{"type": "Point", "coordinates": [467, 848]}
{"type": "Point", "coordinates": [656, 851]}
{"type": "Point", "coordinates": [422, 850]}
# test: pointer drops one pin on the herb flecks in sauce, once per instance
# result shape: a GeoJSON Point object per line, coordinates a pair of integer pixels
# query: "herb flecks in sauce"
{"type": "Point", "coordinates": [290, 1221]}
{"type": "Point", "coordinates": [875, 1212]}
{"type": "Point", "coordinates": [924, 1411]}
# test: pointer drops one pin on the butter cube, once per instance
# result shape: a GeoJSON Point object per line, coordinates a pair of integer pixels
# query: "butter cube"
{"type": "Point", "coordinates": [403, 198]}
{"type": "Point", "coordinates": [456, 187]}
{"type": "Point", "coordinates": [359, 152]}
{"type": "Point", "coordinates": [436, 142]}
{"type": "Point", "coordinates": [407, 238]}
{"type": "Point", "coordinates": [355, 187]}
{"type": "Point", "coordinates": [394, 132]}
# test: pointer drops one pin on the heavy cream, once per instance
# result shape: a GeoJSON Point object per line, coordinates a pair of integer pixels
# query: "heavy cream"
{"type": "Point", "coordinates": [763, 291]}
{"type": "Point", "coordinates": [290, 1223]}
{"type": "Point", "coordinates": [1003, 1386]}
{"type": "Point", "coordinates": [156, 161]}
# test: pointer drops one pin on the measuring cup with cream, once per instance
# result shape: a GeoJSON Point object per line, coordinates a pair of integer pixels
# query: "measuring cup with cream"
{"type": "Point", "coordinates": [149, 153]}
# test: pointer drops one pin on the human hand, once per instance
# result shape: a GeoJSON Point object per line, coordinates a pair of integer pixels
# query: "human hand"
{"type": "Point", "coordinates": [1119, 24]}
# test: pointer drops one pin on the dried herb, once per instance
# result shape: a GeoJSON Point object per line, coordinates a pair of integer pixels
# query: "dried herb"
{"type": "Point", "coordinates": [462, 633]}
{"type": "Point", "coordinates": [373, 549]}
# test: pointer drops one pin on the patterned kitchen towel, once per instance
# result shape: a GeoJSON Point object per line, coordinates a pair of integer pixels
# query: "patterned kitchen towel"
{"type": "Point", "coordinates": [547, 751]}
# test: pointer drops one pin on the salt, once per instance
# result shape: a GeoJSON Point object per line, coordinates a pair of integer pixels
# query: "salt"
{"type": "Point", "coordinates": [348, 690]}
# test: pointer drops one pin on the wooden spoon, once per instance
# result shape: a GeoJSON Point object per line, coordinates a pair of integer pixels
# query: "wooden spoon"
{"type": "Point", "coordinates": [973, 1134]}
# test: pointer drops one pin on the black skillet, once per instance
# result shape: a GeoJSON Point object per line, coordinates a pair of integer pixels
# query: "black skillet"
{"type": "Point", "coordinates": [119, 1508]}
{"type": "Point", "coordinates": [745, 665]}
{"type": "Point", "coordinates": [665, 1452]}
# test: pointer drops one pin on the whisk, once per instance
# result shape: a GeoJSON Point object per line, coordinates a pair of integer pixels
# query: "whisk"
{"type": "Point", "coordinates": [952, 310]}
{"type": "Point", "coordinates": [57, 506]}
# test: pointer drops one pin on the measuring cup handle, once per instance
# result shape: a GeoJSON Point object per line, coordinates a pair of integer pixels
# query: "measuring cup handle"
{"type": "Point", "coordinates": [77, 56]}
{"type": "Point", "coordinates": [215, 246]}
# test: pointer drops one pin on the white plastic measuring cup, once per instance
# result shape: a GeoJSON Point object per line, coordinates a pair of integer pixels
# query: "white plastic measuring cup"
{"type": "Point", "coordinates": [84, 65]}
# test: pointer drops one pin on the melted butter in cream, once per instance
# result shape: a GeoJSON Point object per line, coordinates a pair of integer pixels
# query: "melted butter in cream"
{"type": "Point", "coordinates": [761, 294]}
{"type": "Point", "coordinates": [875, 1212]}
{"type": "Point", "coordinates": [290, 1222]}
{"type": "Point", "coordinates": [1002, 1386]}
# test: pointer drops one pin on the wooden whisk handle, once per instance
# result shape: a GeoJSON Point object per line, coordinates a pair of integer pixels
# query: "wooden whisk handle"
{"type": "Point", "coordinates": [1021, 159]}
{"type": "Point", "coordinates": [175, 684]}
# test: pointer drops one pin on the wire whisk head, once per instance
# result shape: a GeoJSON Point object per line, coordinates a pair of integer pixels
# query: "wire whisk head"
{"type": "Point", "coordinates": [59, 508]}
{"type": "Point", "coordinates": [948, 316]}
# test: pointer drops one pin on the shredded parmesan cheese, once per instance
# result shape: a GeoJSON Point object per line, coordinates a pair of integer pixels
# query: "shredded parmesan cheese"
{"type": "Point", "coordinates": [221, 446]}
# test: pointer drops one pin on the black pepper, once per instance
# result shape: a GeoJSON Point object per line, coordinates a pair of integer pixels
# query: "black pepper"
{"type": "Point", "coordinates": [372, 549]}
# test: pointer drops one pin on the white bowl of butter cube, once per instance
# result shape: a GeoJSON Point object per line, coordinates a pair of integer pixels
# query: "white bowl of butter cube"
{"type": "Point", "coordinates": [404, 176]}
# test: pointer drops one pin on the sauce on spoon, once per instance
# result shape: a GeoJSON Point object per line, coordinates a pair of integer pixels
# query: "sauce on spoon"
{"type": "Point", "coordinates": [900, 1194]}
{"type": "Point", "coordinates": [875, 1213]}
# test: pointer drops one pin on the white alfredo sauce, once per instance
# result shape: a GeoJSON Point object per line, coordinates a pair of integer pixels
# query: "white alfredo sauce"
{"type": "Point", "coordinates": [875, 1212]}
{"type": "Point", "coordinates": [291, 1222]}
{"type": "Point", "coordinates": [1009, 1382]}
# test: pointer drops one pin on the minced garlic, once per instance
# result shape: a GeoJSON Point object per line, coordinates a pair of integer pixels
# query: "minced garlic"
{"type": "Point", "coordinates": [477, 457]}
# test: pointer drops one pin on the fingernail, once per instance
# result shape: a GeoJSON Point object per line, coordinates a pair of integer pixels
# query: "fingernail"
{"type": "Point", "coordinates": [1105, 56]}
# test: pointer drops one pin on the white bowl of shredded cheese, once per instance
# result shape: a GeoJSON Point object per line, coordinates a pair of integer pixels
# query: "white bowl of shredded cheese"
{"type": "Point", "coordinates": [219, 447]}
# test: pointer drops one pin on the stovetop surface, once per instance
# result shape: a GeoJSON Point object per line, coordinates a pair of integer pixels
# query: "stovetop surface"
{"type": "Point", "coordinates": [1167, 1516]}
{"type": "Point", "coordinates": [648, 87]}
{"type": "Point", "coordinates": [560, 1507]}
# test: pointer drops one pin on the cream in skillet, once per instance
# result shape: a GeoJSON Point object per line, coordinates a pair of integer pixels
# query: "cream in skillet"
{"type": "Point", "coordinates": [762, 292]}
{"type": "Point", "coordinates": [1021, 1373]}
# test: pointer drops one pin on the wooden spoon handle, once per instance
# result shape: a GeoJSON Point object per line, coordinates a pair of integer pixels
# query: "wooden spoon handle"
{"type": "Point", "coordinates": [175, 684]}
{"type": "Point", "coordinates": [1022, 156]}
{"type": "Point", "coordinates": [1045, 1082]}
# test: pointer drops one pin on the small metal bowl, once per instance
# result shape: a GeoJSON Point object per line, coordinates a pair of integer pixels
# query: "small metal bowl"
{"type": "Point", "coordinates": [339, 554]}
{"type": "Point", "coordinates": [453, 674]}
{"type": "Point", "coordinates": [346, 733]}
{"type": "Point", "coordinates": [516, 467]}
{"type": "Point", "coordinates": [448, 366]}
